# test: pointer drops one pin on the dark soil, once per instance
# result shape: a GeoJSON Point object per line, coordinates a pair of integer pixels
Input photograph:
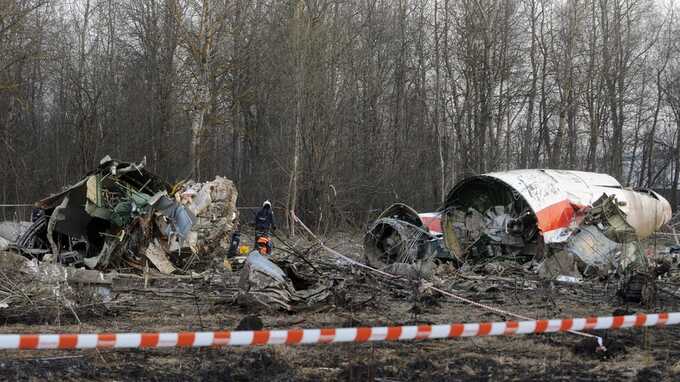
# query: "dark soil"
{"type": "Point", "coordinates": [632, 354]}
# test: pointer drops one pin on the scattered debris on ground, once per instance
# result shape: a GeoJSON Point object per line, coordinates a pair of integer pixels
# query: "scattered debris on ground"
{"type": "Point", "coordinates": [128, 252]}
{"type": "Point", "coordinates": [38, 292]}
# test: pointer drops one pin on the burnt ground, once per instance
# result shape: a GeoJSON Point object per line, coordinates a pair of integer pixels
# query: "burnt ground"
{"type": "Point", "coordinates": [634, 354]}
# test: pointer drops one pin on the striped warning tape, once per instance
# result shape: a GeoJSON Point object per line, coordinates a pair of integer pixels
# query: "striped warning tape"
{"type": "Point", "coordinates": [324, 336]}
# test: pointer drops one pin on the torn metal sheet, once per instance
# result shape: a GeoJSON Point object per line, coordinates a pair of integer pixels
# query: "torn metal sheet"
{"type": "Point", "coordinates": [215, 220]}
{"type": "Point", "coordinates": [186, 245]}
{"type": "Point", "coordinates": [400, 211]}
{"type": "Point", "coordinates": [611, 219]}
{"type": "Point", "coordinates": [201, 200]}
{"type": "Point", "coordinates": [154, 252]}
{"type": "Point", "coordinates": [595, 252]}
{"type": "Point", "coordinates": [181, 218]}
{"type": "Point", "coordinates": [34, 238]}
{"type": "Point", "coordinates": [259, 263]}
{"type": "Point", "coordinates": [264, 285]}
{"type": "Point", "coordinates": [41, 291]}
{"type": "Point", "coordinates": [55, 217]}
{"type": "Point", "coordinates": [430, 221]}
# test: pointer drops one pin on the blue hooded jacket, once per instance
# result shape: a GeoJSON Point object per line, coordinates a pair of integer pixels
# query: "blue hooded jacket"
{"type": "Point", "coordinates": [264, 219]}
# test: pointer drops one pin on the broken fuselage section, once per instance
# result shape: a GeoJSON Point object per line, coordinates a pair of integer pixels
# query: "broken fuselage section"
{"type": "Point", "coordinates": [520, 211]}
{"type": "Point", "coordinates": [557, 217]}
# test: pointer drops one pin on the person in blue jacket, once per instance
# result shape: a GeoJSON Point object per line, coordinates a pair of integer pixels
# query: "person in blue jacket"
{"type": "Point", "coordinates": [264, 219]}
{"type": "Point", "coordinates": [264, 223]}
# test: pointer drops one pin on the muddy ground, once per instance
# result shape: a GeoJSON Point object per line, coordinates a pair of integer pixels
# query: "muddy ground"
{"type": "Point", "coordinates": [207, 304]}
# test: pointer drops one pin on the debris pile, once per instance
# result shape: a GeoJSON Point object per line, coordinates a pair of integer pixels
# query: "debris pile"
{"type": "Point", "coordinates": [565, 225]}
{"type": "Point", "coordinates": [603, 245]}
{"type": "Point", "coordinates": [214, 206]}
{"type": "Point", "coordinates": [263, 285]}
{"type": "Point", "coordinates": [123, 216]}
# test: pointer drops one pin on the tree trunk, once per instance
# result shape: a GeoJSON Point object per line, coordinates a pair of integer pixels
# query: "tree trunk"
{"type": "Point", "coordinates": [198, 123]}
{"type": "Point", "coordinates": [299, 54]}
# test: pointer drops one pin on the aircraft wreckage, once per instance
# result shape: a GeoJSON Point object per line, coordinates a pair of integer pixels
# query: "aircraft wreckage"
{"type": "Point", "coordinates": [570, 223]}
{"type": "Point", "coordinates": [121, 215]}
{"type": "Point", "coordinates": [400, 235]}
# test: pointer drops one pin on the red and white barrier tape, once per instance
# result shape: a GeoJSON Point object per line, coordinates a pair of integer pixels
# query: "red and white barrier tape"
{"type": "Point", "coordinates": [325, 336]}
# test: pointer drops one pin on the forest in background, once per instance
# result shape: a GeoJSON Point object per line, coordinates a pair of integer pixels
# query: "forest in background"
{"type": "Point", "coordinates": [335, 108]}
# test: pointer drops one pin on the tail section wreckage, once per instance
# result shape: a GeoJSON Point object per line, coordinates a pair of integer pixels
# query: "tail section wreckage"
{"type": "Point", "coordinates": [570, 223]}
